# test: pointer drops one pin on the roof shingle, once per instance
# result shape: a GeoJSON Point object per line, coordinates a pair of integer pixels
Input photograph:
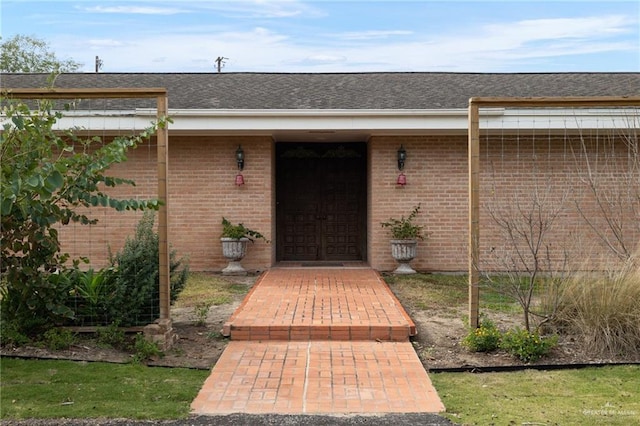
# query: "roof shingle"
{"type": "Point", "coordinates": [341, 91]}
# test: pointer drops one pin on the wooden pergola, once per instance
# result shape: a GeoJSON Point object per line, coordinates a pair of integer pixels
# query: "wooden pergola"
{"type": "Point", "coordinates": [475, 104]}
{"type": "Point", "coordinates": [160, 94]}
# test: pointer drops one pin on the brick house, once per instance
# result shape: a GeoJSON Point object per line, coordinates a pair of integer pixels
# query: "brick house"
{"type": "Point", "coordinates": [321, 169]}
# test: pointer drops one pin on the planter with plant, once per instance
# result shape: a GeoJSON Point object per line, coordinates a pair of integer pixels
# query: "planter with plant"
{"type": "Point", "coordinates": [234, 240]}
{"type": "Point", "coordinates": [405, 235]}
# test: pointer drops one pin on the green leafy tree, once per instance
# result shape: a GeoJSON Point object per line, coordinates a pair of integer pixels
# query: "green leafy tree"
{"type": "Point", "coordinates": [29, 54]}
{"type": "Point", "coordinates": [48, 177]}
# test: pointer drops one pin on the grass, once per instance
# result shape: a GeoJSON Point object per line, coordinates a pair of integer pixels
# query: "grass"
{"type": "Point", "coordinates": [204, 288]}
{"type": "Point", "coordinates": [590, 396]}
{"type": "Point", "coordinates": [499, 292]}
{"type": "Point", "coordinates": [428, 291]}
{"type": "Point", "coordinates": [436, 291]}
{"type": "Point", "coordinates": [602, 308]}
{"type": "Point", "coordinates": [57, 389]}
{"type": "Point", "coordinates": [65, 389]}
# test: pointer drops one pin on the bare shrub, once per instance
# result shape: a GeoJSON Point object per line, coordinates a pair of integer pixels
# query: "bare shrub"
{"type": "Point", "coordinates": [609, 168]}
{"type": "Point", "coordinates": [525, 262]}
{"type": "Point", "coordinates": [602, 308]}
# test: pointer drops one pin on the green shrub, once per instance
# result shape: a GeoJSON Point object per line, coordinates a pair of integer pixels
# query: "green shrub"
{"type": "Point", "coordinates": [11, 334]}
{"type": "Point", "coordinates": [201, 311]}
{"type": "Point", "coordinates": [136, 292]}
{"type": "Point", "coordinates": [144, 349]}
{"type": "Point", "coordinates": [527, 346]}
{"type": "Point", "coordinates": [111, 335]}
{"type": "Point", "coordinates": [58, 338]}
{"type": "Point", "coordinates": [485, 338]}
{"type": "Point", "coordinates": [50, 177]}
{"type": "Point", "coordinates": [32, 312]}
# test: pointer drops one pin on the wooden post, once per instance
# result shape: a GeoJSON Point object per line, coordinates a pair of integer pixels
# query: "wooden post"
{"type": "Point", "coordinates": [474, 214]}
{"type": "Point", "coordinates": [163, 214]}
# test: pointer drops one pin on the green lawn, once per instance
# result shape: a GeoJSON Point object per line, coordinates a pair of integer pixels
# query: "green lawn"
{"type": "Point", "coordinates": [589, 396]}
{"type": "Point", "coordinates": [56, 389]}
{"type": "Point", "coordinates": [446, 292]}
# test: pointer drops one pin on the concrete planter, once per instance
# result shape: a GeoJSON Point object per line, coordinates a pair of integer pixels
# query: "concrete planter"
{"type": "Point", "coordinates": [404, 251]}
{"type": "Point", "coordinates": [234, 250]}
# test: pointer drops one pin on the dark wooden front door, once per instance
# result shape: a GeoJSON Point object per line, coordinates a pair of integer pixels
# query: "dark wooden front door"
{"type": "Point", "coordinates": [321, 201]}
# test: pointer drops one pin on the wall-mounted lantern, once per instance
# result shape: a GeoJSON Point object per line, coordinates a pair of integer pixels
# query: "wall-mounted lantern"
{"type": "Point", "coordinates": [240, 161]}
{"type": "Point", "coordinates": [240, 157]}
{"type": "Point", "coordinates": [402, 157]}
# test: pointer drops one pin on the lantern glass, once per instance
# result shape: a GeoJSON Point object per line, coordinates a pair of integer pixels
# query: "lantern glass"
{"type": "Point", "coordinates": [402, 157]}
{"type": "Point", "coordinates": [240, 157]}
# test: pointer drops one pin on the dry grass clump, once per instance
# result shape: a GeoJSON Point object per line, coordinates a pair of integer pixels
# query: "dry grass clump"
{"type": "Point", "coordinates": [206, 289]}
{"type": "Point", "coordinates": [604, 308]}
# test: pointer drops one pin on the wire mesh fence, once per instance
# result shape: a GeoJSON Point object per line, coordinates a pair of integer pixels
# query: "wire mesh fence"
{"type": "Point", "coordinates": [559, 195]}
{"type": "Point", "coordinates": [99, 263]}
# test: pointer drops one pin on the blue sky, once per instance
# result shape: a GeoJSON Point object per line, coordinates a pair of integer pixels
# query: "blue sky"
{"type": "Point", "coordinates": [335, 36]}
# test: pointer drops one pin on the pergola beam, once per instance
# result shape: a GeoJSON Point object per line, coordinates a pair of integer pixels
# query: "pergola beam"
{"type": "Point", "coordinates": [89, 93]}
{"type": "Point", "coordinates": [569, 101]}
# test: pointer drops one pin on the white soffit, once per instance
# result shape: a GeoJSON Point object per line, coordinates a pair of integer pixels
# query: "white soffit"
{"type": "Point", "coordinates": [191, 121]}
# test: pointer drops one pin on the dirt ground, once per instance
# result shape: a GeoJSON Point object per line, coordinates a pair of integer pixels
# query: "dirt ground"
{"type": "Point", "coordinates": [437, 343]}
{"type": "Point", "coordinates": [438, 346]}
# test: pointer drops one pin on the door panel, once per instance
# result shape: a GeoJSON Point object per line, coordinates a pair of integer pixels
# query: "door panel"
{"type": "Point", "coordinates": [321, 202]}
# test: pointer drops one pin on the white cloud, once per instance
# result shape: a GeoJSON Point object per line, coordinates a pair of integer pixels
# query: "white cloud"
{"type": "Point", "coordinates": [491, 48]}
{"type": "Point", "coordinates": [134, 10]}
{"type": "Point", "coordinates": [262, 9]}
{"type": "Point", "coordinates": [186, 52]}
{"type": "Point", "coordinates": [98, 43]}
{"type": "Point", "coordinates": [320, 60]}
{"type": "Point", "coordinates": [547, 29]}
{"type": "Point", "coordinates": [371, 35]}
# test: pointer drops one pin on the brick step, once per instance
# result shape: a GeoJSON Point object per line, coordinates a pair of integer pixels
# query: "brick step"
{"type": "Point", "coordinates": [385, 333]}
{"type": "Point", "coordinates": [320, 304]}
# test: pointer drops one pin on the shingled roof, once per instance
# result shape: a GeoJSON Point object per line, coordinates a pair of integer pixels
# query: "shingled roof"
{"type": "Point", "coordinates": [260, 91]}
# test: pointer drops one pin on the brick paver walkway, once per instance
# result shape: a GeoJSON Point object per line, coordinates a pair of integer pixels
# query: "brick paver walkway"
{"type": "Point", "coordinates": [318, 341]}
{"type": "Point", "coordinates": [320, 304]}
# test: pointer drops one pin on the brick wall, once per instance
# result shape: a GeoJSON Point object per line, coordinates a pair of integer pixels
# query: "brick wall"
{"type": "Point", "coordinates": [519, 176]}
{"type": "Point", "coordinates": [202, 190]}
{"type": "Point", "coordinates": [436, 171]}
{"type": "Point", "coordinates": [534, 178]}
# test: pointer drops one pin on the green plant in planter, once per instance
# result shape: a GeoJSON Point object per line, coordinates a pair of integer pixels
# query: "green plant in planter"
{"type": "Point", "coordinates": [404, 228]}
{"type": "Point", "coordinates": [238, 231]}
